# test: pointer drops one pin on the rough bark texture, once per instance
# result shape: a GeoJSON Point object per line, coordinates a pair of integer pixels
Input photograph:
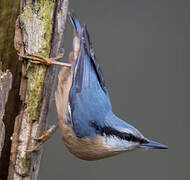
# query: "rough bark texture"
{"type": "Point", "coordinates": [9, 10]}
{"type": "Point", "coordinates": [37, 32]}
{"type": "Point", "coordinates": [5, 86]}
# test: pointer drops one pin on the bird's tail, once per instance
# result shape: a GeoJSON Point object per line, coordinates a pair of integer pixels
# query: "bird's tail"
{"type": "Point", "coordinates": [87, 67]}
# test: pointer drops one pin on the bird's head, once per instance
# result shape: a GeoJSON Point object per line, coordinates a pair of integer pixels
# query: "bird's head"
{"type": "Point", "coordinates": [121, 136]}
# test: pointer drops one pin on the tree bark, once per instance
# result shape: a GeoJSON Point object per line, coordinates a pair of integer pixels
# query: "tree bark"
{"type": "Point", "coordinates": [39, 30]}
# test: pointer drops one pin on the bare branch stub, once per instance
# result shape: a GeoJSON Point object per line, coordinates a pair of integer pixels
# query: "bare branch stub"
{"type": "Point", "coordinates": [5, 86]}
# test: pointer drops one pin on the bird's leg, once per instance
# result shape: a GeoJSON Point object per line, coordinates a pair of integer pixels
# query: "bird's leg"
{"type": "Point", "coordinates": [42, 139]}
{"type": "Point", "coordinates": [37, 59]}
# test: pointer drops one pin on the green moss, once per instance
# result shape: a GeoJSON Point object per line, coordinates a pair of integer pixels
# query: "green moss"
{"type": "Point", "coordinates": [46, 11]}
{"type": "Point", "coordinates": [36, 75]}
{"type": "Point", "coordinates": [26, 161]}
{"type": "Point", "coordinates": [27, 14]}
{"type": "Point", "coordinates": [41, 14]}
{"type": "Point", "coordinates": [29, 2]}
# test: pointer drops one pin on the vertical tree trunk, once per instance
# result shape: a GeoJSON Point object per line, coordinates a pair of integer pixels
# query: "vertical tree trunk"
{"type": "Point", "coordinates": [39, 30]}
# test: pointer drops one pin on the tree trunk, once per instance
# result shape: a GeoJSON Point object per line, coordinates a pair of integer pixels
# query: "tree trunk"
{"type": "Point", "coordinates": [39, 30]}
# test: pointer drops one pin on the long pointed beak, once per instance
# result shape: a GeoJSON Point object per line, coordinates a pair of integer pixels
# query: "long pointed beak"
{"type": "Point", "coordinates": [153, 145]}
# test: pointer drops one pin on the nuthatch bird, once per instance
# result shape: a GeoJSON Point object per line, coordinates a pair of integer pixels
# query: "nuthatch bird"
{"type": "Point", "coordinates": [90, 130]}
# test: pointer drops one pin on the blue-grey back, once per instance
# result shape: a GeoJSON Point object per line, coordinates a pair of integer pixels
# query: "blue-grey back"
{"type": "Point", "coordinates": [89, 99]}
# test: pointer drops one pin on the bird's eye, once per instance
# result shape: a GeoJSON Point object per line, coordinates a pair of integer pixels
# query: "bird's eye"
{"type": "Point", "coordinates": [130, 136]}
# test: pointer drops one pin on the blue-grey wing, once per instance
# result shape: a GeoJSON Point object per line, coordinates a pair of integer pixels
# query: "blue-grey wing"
{"type": "Point", "coordinates": [89, 99]}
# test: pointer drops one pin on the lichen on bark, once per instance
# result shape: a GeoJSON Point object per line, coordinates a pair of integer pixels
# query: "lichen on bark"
{"type": "Point", "coordinates": [36, 22]}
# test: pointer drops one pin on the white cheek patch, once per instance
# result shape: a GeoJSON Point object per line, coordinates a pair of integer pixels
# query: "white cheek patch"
{"type": "Point", "coordinates": [76, 46]}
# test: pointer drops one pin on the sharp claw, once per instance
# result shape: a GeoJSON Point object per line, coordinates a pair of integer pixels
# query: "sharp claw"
{"type": "Point", "coordinates": [42, 139]}
{"type": "Point", "coordinates": [37, 59]}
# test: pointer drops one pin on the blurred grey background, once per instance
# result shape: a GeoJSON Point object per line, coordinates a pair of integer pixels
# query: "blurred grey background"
{"type": "Point", "coordinates": [143, 48]}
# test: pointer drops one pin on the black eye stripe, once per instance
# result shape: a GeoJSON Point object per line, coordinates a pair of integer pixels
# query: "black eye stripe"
{"type": "Point", "coordinates": [122, 135]}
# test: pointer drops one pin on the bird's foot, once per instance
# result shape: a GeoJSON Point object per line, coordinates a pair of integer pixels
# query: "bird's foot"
{"type": "Point", "coordinates": [37, 59]}
{"type": "Point", "coordinates": [42, 139]}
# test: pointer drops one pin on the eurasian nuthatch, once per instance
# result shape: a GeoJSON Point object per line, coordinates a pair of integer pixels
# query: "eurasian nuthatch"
{"type": "Point", "coordinates": [90, 130]}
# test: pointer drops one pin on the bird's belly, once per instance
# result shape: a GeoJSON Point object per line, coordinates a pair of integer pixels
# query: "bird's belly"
{"type": "Point", "coordinates": [85, 148]}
